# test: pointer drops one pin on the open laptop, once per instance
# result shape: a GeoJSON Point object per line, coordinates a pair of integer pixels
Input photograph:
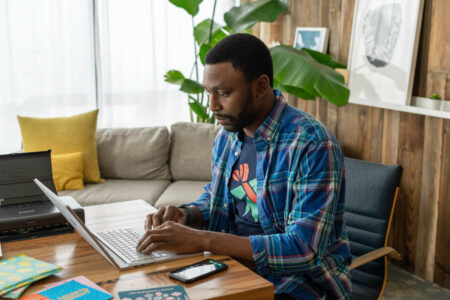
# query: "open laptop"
{"type": "Point", "coordinates": [117, 246]}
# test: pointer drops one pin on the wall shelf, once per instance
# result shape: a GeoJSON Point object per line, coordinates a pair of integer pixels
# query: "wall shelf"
{"type": "Point", "coordinates": [403, 108]}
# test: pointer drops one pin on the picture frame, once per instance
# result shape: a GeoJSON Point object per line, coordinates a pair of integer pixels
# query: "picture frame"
{"type": "Point", "coordinates": [315, 38]}
{"type": "Point", "coordinates": [383, 50]}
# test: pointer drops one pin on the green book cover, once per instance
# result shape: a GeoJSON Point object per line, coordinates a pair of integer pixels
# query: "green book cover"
{"type": "Point", "coordinates": [21, 270]}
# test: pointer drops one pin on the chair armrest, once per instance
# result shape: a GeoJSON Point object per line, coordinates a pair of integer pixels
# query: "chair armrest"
{"type": "Point", "coordinates": [368, 257]}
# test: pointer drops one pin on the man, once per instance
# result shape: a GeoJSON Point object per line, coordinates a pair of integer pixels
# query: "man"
{"type": "Point", "coordinates": [276, 198]}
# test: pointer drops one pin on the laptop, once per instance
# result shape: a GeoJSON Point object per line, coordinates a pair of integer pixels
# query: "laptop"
{"type": "Point", "coordinates": [118, 246]}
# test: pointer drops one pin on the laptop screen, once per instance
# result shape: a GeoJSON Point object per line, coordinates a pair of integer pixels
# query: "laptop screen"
{"type": "Point", "coordinates": [17, 172]}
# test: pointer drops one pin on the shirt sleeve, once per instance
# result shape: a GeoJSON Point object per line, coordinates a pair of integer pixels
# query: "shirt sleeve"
{"type": "Point", "coordinates": [316, 193]}
{"type": "Point", "coordinates": [204, 202]}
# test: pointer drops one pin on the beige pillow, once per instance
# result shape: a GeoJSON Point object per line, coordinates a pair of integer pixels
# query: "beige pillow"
{"type": "Point", "coordinates": [191, 150]}
{"type": "Point", "coordinates": [134, 153]}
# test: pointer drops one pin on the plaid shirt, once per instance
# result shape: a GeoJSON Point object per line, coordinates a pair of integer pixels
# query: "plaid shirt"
{"type": "Point", "coordinates": [300, 199]}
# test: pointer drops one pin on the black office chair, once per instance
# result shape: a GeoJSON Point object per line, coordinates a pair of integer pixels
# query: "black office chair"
{"type": "Point", "coordinates": [371, 192]}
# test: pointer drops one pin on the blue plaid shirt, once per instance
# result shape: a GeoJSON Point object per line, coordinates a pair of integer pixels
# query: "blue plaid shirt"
{"type": "Point", "coordinates": [300, 199]}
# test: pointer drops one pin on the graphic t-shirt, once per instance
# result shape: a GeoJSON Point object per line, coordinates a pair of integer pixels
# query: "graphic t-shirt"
{"type": "Point", "coordinates": [242, 186]}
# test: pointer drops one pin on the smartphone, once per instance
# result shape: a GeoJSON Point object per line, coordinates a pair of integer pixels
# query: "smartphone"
{"type": "Point", "coordinates": [198, 270]}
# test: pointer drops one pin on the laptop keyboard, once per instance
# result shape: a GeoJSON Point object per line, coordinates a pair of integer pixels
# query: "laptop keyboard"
{"type": "Point", "coordinates": [124, 241]}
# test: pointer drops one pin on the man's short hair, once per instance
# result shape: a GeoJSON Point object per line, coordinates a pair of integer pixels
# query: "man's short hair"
{"type": "Point", "coordinates": [247, 54]}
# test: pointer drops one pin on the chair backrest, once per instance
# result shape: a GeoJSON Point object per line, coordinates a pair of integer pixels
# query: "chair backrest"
{"type": "Point", "coordinates": [369, 200]}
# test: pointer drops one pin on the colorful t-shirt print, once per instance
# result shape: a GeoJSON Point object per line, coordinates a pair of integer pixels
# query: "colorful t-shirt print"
{"type": "Point", "coordinates": [242, 186]}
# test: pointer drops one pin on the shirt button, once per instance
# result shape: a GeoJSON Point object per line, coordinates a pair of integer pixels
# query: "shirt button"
{"type": "Point", "coordinates": [236, 153]}
{"type": "Point", "coordinates": [225, 205]}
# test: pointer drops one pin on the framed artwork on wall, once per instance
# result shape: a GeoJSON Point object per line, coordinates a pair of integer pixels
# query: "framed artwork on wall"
{"type": "Point", "coordinates": [315, 38]}
{"type": "Point", "coordinates": [383, 50]}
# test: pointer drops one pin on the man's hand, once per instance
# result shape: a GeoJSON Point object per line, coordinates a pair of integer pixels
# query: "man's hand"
{"type": "Point", "coordinates": [173, 237]}
{"type": "Point", "coordinates": [166, 214]}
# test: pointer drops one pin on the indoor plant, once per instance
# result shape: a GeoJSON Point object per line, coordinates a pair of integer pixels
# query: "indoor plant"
{"type": "Point", "coordinates": [432, 102]}
{"type": "Point", "coordinates": [317, 77]}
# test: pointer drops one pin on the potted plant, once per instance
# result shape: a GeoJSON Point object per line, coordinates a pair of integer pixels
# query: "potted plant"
{"type": "Point", "coordinates": [304, 73]}
{"type": "Point", "coordinates": [433, 102]}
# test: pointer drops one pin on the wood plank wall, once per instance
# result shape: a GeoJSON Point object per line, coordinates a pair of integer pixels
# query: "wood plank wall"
{"type": "Point", "coordinates": [421, 144]}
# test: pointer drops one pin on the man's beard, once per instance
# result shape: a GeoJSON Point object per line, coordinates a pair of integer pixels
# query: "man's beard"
{"type": "Point", "coordinates": [244, 118]}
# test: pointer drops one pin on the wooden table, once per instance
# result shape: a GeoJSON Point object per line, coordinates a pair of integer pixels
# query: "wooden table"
{"type": "Point", "coordinates": [77, 257]}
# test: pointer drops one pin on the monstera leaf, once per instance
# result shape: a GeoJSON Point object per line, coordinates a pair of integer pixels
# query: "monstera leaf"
{"type": "Point", "coordinates": [191, 6]}
{"type": "Point", "coordinates": [186, 85]}
{"type": "Point", "coordinates": [201, 31]}
{"type": "Point", "coordinates": [324, 58]}
{"type": "Point", "coordinates": [245, 16]}
{"type": "Point", "coordinates": [199, 109]}
{"type": "Point", "coordinates": [298, 73]}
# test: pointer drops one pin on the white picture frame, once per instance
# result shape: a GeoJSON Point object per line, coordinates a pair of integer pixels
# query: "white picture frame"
{"type": "Point", "coordinates": [383, 50]}
{"type": "Point", "coordinates": [315, 38]}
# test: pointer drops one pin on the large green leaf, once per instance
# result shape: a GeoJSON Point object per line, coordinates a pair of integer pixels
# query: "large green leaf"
{"type": "Point", "coordinates": [191, 6]}
{"type": "Point", "coordinates": [295, 68]}
{"type": "Point", "coordinates": [245, 16]}
{"type": "Point", "coordinates": [201, 31]}
{"type": "Point", "coordinates": [174, 76]}
{"type": "Point", "coordinates": [198, 109]}
{"type": "Point", "coordinates": [204, 49]}
{"type": "Point", "coordinates": [324, 59]}
{"type": "Point", "coordinates": [186, 85]}
{"type": "Point", "coordinates": [191, 87]}
{"type": "Point", "coordinates": [296, 91]}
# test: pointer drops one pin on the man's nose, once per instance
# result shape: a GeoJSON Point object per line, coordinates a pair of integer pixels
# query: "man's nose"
{"type": "Point", "coordinates": [214, 104]}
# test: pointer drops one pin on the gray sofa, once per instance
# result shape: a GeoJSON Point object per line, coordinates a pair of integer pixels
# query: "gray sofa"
{"type": "Point", "coordinates": [152, 164]}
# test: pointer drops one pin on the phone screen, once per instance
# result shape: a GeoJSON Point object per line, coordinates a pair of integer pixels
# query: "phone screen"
{"type": "Point", "coordinates": [198, 270]}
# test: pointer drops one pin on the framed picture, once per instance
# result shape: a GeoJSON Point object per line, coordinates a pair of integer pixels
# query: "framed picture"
{"type": "Point", "coordinates": [383, 50]}
{"type": "Point", "coordinates": [315, 38]}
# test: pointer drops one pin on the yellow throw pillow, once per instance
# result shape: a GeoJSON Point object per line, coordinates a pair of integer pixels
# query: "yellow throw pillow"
{"type": "Point", "coordinates": [64, 135]}
{"type": "Point", "coordinates": [67, 171]}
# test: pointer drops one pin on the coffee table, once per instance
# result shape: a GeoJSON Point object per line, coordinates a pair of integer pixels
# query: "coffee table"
{"type": "Point", "coordinates": [77, 257]}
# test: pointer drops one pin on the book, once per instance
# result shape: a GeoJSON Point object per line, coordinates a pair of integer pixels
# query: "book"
{"type": "Point", "coordinates": [74, 290]}
{"type": "Point", "coordinates": [80, 279]}
{"type": "Point", "coordinates": [21, 270]}
{"type": "Point", "coordinates": [15, 294]}
{"type": "Point", "coordinates": [172, 292]}
{"type": "Point", "coordinates": [33, 297]}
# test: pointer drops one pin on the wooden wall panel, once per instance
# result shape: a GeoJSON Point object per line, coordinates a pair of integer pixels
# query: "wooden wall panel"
{"type": "Point", "coordinates": [421, 224]}
{"type": "Point", "coordinates": [429, 198]}
{"type": "Point", "coordinates": [442, 261]}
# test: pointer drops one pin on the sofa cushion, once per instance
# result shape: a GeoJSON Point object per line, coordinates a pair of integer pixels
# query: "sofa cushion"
{"type": "Point", "coordinates": [134, 153]}
{"type": "Point", "coordinates": [191, 147]}
{"type": "Point", "coordinates": [181, 192]}
{"type": "Point", "coordinates": [116, 190]}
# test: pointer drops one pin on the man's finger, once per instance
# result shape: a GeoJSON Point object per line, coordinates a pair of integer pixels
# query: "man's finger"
{"type": "Point", "coordinates": [148, 222]}
{"type": "Point", "coordinates": [141, 240]}
{"type": "Point", "coordinates": [155, 246]}
{"type": "Point", "coordinates": [168, 214]}
{"type": "Point", "coordinates": [149, 238]}
{"type": "Point", "coordinates": [156, 220]}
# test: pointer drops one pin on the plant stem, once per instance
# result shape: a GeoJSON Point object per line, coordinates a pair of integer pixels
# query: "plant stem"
{"type": "Point", "coordinates": [212, 21]}
{"type": "Point", "coordinates": [195, 52]}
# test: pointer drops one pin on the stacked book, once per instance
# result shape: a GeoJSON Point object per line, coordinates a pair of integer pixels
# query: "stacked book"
{"type": "Point", "coordinates": [18, 272]}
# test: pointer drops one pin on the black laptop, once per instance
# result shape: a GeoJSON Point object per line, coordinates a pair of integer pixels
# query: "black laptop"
{"type": "Point", "coordinates": [25, 211]}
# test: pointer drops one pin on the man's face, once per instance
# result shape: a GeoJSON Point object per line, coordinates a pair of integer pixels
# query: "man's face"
{"type": "Point", "coordinates": [231, 96]}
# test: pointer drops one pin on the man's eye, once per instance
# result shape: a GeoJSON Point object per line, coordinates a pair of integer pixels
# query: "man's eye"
{"type": "Point", "coordinates": [222, 94]}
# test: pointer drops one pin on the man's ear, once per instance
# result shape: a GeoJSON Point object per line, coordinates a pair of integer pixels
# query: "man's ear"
{"type": "Point", "coordinates": [262, 86]}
